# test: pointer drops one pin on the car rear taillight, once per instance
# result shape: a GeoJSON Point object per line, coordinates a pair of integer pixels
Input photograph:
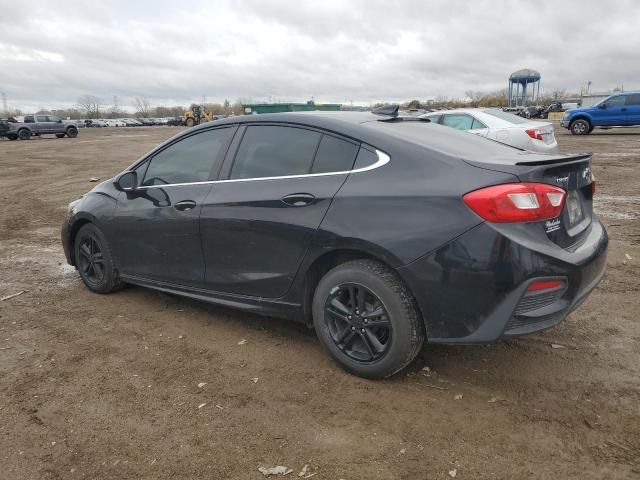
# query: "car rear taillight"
{"type": "Point", "coordinates": [534, 133]}
{"type": "Point", "coordinates": [516, 202]}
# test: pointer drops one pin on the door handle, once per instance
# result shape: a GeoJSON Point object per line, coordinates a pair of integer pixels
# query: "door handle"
{"type": "Point", "coordinates": [184, 205]}
{"type": "Point", "coordinates": [298, 199]}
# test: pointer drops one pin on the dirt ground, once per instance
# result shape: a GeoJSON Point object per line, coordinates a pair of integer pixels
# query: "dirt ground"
{"type": "Point", "coordinates": [107, 387]}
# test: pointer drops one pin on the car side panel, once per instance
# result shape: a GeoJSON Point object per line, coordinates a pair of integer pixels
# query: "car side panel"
{"type": "Point", "coordinates": [409, 206]}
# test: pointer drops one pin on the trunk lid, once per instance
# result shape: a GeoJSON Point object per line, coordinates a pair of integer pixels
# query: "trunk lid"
{"type": "Point", "coordinates": [569, 172]}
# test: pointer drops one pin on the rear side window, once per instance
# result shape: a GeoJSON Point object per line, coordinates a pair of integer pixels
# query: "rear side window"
{"type": "Point", "coordinates": [461, 122]}
{"type": "Point", "coordinates": [28, 119]}
{"type": "Point", "coordinates": [633, 99]}
{"type": "Point", "coordinates": [365, 158]}
{"type": "Point", "coordinates": [188, 160]}
{"type": "Point", "coordinates": [477, 124]}
{"type": "Point", "coordinates": [334, 155]}
{"type": "Point", "coordinates": [275, 151]}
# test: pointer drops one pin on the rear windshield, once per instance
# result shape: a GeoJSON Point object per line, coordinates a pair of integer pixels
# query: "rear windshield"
{"type": "Point", "coordinates": [508, 117]}
{"type": "Point", "coordinates": [444, 139]}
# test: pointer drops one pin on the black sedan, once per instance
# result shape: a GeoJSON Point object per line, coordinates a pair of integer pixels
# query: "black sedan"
{"type": "Point", "coordinates": [380, 232]}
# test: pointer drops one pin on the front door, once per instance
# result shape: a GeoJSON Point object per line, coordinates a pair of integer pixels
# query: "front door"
{"type": "Point", "coordinates": [156, 227]}
{"type": "Point", "coordinates": [257, 224]}
{"type": "Point", "coordinates": [612, 112]}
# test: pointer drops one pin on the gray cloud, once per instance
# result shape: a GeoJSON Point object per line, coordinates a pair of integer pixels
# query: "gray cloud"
{"type": "Point", "coordinates": [360, 50]}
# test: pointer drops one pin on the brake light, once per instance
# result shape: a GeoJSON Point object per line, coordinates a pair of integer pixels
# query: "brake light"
{"type": "Point", "coordinates": [544, 285]}
{"type": "Point", "coordinates": [534, 133]}
{"type": "Point", "coordinates": [516, 202]}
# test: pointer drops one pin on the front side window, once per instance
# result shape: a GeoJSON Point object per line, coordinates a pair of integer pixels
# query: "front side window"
{"type": "Point", "coordinates": [275, 151]}
{"type": "Point", "coordinates": [189, 160]}
{"type": "Point", "coordinates": [618, 101]}
{"type": "Point", "coordinates": [42, 118]}
{"type": "Point", "coordinates": [334, 155]}
{"type": "Point", "coordinates": [54, 119]}
{"type": "Point", "coordinates": [459, 121]}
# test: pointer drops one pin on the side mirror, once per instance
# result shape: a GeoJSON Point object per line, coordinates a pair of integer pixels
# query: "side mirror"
{"type": "Point", "coordinates": [59, 120]}
{"type": "Point", "coordinates": [128, 181]}
{"type": "Point", "coordinates": [602, 105]}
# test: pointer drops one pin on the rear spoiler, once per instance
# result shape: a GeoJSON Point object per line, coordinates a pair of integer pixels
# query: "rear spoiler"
{"type": "Point", "coordinates": [568, 159]}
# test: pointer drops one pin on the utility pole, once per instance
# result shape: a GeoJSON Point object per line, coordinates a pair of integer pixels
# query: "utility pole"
{"type": "Point", "coordinates": [5, 108]}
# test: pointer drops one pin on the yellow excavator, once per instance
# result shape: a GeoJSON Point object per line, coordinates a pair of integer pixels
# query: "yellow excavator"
{"type": "Point", "coordinates": [196, 116]}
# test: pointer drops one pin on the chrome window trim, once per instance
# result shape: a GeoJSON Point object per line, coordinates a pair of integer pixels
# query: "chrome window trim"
{"type": "Point", "coordinates": [383, 159]}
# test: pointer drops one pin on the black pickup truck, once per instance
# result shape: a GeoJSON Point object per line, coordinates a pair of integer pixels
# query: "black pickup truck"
{"type": "Point", "coordinates": [41, 125]}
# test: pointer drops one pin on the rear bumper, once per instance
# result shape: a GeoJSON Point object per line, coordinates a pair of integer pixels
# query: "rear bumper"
{"type": "Point", "coordinates": [474, 289]}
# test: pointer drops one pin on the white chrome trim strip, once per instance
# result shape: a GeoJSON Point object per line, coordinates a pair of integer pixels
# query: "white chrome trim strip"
{"type": "Point", "coordinates": [383, 159]}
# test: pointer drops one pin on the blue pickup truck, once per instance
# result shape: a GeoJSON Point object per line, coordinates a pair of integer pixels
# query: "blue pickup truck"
{"type": "Point", "coordinates": [618, 110]}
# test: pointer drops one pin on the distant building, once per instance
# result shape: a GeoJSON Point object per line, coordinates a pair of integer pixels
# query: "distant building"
{"type": "Point", "coordinates": [591, 98]}
{"type": "Point", "coordinates": [257, 108]}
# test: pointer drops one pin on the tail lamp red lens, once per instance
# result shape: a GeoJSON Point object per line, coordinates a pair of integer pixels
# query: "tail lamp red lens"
{"type": "Point", "coordinates": [544, 285]}
{"type": "Point", "coordinates": [517, 202]}
{"type": "Point", "coordinates": [534, 133]}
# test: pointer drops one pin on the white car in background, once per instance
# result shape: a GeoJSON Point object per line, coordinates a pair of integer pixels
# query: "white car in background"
{"type": "Point", "coordinates": [115, 123]}
{"type": "Point", "coordinates": [501, 126]}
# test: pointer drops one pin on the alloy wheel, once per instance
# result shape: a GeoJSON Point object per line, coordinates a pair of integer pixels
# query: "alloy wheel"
{"type": "Point", "coordinates": [358, 322]}
{"type": "Point", "coordinates": [91, 260]}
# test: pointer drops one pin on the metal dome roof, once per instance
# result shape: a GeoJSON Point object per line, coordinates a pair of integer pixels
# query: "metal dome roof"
{"type": "Point", "coordinates": [525, 75]}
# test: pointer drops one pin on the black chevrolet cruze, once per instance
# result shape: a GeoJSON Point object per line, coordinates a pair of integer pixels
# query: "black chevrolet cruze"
{"type": "Point", "coordinates": [379, 231]}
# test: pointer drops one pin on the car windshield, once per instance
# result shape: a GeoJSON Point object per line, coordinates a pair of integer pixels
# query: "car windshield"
{"type": "Point", "coordinates": [507, 117]}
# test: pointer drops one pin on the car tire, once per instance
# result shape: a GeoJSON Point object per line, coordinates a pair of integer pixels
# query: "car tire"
{"type": "Point", "coordinates": [12, 137]}
{"type": "Point", "coordinates": [379, 342]}
{"type": "Point", "coordinates": [190, 122]}
{"type": "Point", "coordinates": [72, 132]}
{"type": "Point", "coordinates": [24, 134]}
{"type": "Point", "coordinates": [60, 135]}
{"type": "Point", "coordinates": [94, 260]}
{"type": "Point", "coordinates": [580, 127]}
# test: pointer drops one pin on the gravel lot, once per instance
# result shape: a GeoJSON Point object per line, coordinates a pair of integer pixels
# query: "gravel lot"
{"type": "Point", "coordinates": [107, 386]}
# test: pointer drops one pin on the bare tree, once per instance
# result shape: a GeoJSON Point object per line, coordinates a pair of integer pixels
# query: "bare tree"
{"type": "Point", "coordinates": [142, 106]}
{"type": "Point", "coordinates": [90, 105]}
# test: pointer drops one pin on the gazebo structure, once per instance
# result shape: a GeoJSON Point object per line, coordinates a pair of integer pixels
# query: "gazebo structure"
{"type": "Point", "coordinates": [524, 87]}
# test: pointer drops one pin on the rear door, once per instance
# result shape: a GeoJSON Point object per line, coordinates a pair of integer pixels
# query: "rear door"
{"type": "Point", "coordinates": [276, 187]}
{"type": "Point", "coordinates": [155, 228]}
{"type": "Point", "coordinates": [633, 109]}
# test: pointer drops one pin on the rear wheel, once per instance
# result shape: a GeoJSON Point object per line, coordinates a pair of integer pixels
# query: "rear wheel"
{"type": "Point", "coordinates": [24, 134]}
{"type": "Point", "coordinates": [72, 132]}
{"type": "Point", "coordinates": [580, 127]}
{"type": "Point", "coordinates": [12, 137]}
{"type": "Point", "coordinates": [94, 260]}
{"type": "Point", "coordinates": [366, 319]}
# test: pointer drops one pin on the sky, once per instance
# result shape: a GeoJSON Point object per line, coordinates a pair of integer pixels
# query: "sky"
{"type": "Point", "coordinates": [360, 51]}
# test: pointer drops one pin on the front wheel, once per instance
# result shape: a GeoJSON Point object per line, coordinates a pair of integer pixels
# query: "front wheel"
{"type": "Point", "coordinates": [94, 260]}
{"type": "Point", "coordinates": [190, 122]}
{"type": "Point", "coordinates": [580, 127]}
{"type": "Point", "coordinates": [72, 132]}
{"type": "Point", "coordinates": [367, 319]}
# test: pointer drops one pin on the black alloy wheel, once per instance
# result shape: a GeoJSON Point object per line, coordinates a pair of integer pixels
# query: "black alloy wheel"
{"type": "Point", "coordinates": [91, 260]}
{"type": "Point", "coordinates": [358, 322]}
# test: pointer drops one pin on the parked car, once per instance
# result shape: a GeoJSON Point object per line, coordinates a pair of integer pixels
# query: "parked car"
{"type": "Point", "coordinates": [501, 126]}
{"type": "Point", "coordinates": [619, 110]}
{"type": "Point", "coordinates": [147, 122]}
{"type": "Point", "coordinates": [130, 122]}
{"type": "Point", "coordinates": [379, 231]}
{"type": "Point", "coordinates": [174, 122]}
{"type": "Point", "coordinates": [98, 123]}
{"type": "Point", "coordinates": [37, 125]}
{"type": "Point", "coordinates": [115, 123]}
